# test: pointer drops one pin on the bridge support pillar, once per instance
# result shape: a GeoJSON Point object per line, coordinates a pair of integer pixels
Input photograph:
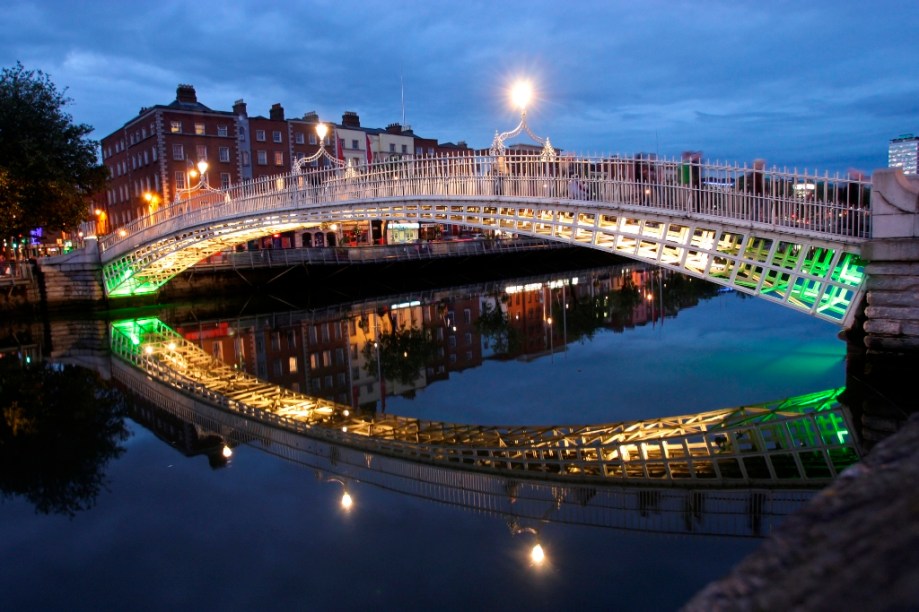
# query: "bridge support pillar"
{"type": "Point", "coordinates": [883, 353]}
{"type": "Point", "coordinates": [73, 279]}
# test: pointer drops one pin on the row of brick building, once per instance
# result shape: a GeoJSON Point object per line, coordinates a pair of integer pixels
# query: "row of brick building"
{"type": "Point", "coordinates": [153, 156]}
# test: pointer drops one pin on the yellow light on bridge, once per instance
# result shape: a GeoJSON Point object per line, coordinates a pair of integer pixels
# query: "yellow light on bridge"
{"type": "Point", "coordinates": [537, 555]}
{"type": "Point", "coordinates": [227, 452]}
{"type": "Point", "coordinates": [322, 131]}
{"type": "Point", "coordinates": [346, 501]}
{"type": "Point", "coordinates": [521, 94]}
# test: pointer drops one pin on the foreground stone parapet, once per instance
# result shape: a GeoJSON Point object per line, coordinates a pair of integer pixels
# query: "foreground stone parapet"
{"type": "Point", "coordinates": [854, 547]}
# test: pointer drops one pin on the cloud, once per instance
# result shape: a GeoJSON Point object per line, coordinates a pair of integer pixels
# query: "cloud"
{"type": "Point", "coordinates": [732, 78]}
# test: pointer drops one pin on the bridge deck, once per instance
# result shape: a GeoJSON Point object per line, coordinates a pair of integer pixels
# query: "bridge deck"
{"type": "Point", "coordinates": [800, 440]}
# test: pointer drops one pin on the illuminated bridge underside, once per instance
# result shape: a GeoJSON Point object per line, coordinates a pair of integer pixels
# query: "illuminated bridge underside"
{"type": "Point", "coordinates": [811, 275]}
{"type": "Point", "coordinates": [802, 440]}
{"type": "Point", "coordinates": [799, 252]}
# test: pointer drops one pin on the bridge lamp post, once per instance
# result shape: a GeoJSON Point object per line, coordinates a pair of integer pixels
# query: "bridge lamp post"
{"type": "Point", "coordinates": [198, 172]}
{"type": "Point", "coordinates": [537, 553]}
{"type": "Point", "coordinates": [521, 94]}
{"type": "Point", "coordinates": [322, 130]}
{"type": "Point", "coordinates": [346, 502]}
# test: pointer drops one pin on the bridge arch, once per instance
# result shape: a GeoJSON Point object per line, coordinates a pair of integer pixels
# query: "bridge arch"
{"type": "Point", "coordinates": [801, 251]}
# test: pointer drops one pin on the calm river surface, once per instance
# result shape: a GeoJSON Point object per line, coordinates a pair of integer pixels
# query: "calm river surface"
{"type": "Point", "coordinates": [169, 531]}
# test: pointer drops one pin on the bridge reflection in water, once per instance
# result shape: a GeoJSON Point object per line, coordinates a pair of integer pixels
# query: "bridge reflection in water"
{"type": "Point", "coordinates": [529, 504]}
{"type": "Point", "coordinates": [799, 442]}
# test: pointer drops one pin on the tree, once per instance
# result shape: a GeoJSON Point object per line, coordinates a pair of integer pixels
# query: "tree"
{"type": "Point", "coordinates": [48, 166]}
{"type": "Point", "coordinates": [59, 428]}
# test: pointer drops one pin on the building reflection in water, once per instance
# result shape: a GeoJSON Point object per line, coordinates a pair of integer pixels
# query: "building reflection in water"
{"type": "Point", "coordinates": [358, 354]}
{"type": "Point", "coordinates": [530, 507]}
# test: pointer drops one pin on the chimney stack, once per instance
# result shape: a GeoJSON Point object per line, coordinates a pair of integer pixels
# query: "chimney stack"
{"type": "Point", "coordinates": [350, 120]}
{"type": "Point", "coordinates": [186, 94]}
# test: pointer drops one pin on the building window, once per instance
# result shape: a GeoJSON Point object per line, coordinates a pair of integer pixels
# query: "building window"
{"type": "Point", "coordinates": [404, 148]}
{"type": "Point", "coordinates": [224, 153]}
{"type": "Point", "coordinates": [298, 138]}
{"type": "Point", "coordinates": [354, 144]}
{"type": "Point", "coordinates": [276, 136]}
{"type": "Point", "coordinates": [175, 127]}
{"type": "Point", "coordinates": [392, 147]}
{"type": "Point", "coordinates": [262, 157]}
{"type": "Point", "coordinates": [419, 150]}
{"type": "Point", "coordinates": [245, 157]}
{"type": "Point", "coordinates": [221, 130]}
{"type": "Point", "coordinates": [178, 151]}
{"type": "Point", "coordinates": [180, 180]}
{"type": "Point", "coordinates": [467, 315]}
{"type": "Point", "coordinates": [278, 158]}
{"type": "Point", "coordinates": [224, 180]}
{"type": "Point", "coordinates": [199, 129]}
{"type": "Point", "coordinates": [292, 365]}
{"type": "Point", "coordinates": [260, 135]}
{"type": "Point", "coordinates": [312, 139]}
{"type": "Point", "coordinates": [202, 152]}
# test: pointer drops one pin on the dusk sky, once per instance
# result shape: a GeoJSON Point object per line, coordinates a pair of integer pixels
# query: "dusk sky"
{"type": "Point", "coordinates": [823, 84]}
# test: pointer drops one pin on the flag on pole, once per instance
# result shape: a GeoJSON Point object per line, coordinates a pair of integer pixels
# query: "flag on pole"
{"type": "Point", "coordinates": [369, 151]}
{"type": "Point", "coordinates": [340, 149]}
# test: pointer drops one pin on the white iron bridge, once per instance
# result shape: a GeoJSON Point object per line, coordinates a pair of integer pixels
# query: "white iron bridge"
{"type": "Point", "coordinates": [793, 238]}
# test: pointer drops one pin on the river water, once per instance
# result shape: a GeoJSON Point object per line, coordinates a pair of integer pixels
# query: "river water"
{"type": "Point", "coordinates": [174, 525]}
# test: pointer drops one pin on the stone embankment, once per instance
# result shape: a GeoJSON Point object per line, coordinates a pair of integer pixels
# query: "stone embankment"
{"type": "Point", "coordinates": [854, 547]}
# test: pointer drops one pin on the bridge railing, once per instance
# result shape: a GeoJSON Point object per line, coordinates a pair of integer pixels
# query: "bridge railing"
{"type": "Point", "coordinates": [834, 206]}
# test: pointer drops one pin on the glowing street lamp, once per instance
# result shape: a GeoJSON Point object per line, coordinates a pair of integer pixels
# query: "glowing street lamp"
{"type": "Point", "coordinates": [101, 218]}
{"type": "Point", "coordinates": [521, 94]}
{"type": "Point", "coordinates": [537, 555]}
{"type": "Point", "coordinates": [153, 201]}
{"type": "Point", "coordinates": [197, 171]}
{"type": "Point", "coordinates": [322, 130]}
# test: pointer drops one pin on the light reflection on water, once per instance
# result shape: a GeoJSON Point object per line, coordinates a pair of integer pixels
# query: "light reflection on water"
{"type": "Point", "coordinates": [266, 533]}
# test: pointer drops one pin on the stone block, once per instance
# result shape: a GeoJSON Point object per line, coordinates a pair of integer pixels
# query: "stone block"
{"type": "Point", "coordinates": [884, 327]}
{"type": "Point", "coordinates": [900, 313]}
{"type": "Point", "coordinates": [892, 283]}
{"type": "Point", "coordinates": [892, 298]}
{"type": "Point", "coordinates": [895, 268]}
{"type": "Point", "coordinates": [891, 249]}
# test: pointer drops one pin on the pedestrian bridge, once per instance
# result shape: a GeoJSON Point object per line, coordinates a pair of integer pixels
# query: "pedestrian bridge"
{"type": "Point", "coordinates": [801, 441]}
{"type": "Point", "coordinates": [793, 238]}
